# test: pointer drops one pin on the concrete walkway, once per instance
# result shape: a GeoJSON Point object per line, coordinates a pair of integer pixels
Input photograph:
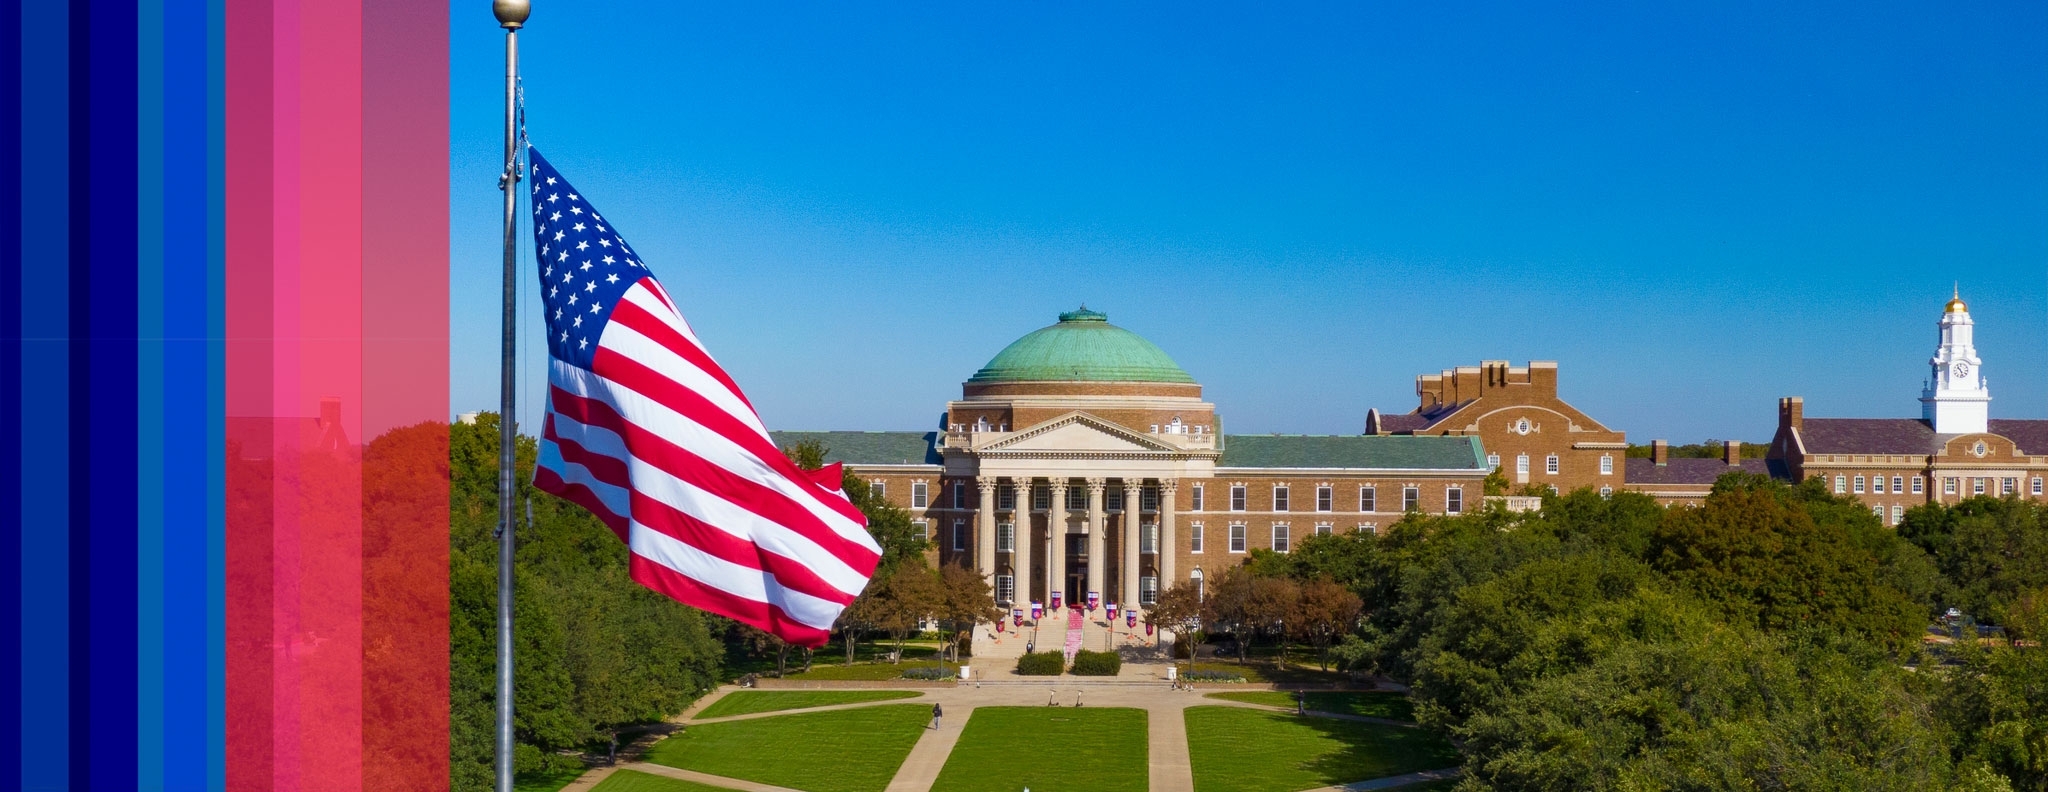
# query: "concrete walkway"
{"type": "Point", "coordinates": [1168, 764]}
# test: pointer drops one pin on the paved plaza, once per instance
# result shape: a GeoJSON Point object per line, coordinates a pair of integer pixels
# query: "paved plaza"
{"type": "Point", "coordinates": [1167, 756]}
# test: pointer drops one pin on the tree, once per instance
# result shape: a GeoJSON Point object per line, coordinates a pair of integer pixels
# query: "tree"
{"type": "Point", "coordinates": [1269, 605]}
{"type": "Point", "coordinates": [910, 596]}
{"type": "Point", "coordinates": [1995, 551]}
{"type": "Point", "coordinates": [964, 600]}
{"type": "Point", "coordinates": [1178, 608]}
{"type": "Point", "coordinates": [1229, 605]}
{"type": "Point", "coordinates": [1323, 612]}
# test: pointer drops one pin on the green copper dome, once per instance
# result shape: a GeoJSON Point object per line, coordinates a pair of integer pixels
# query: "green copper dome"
{"type": "Point", "coordinates": [1083, 347]}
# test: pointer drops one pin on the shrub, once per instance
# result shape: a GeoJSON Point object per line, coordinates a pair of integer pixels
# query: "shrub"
{"type": "Point", "coordinates": [930, 672]}
{"type": "Point", "coordinates": [931, 635]}
{"type": "Point", "coordinates": [1097, 663]}
{"type": "Point", "coordinates": [1212, 676]}
{"type": "Point", "coordinates": [1041, 664]}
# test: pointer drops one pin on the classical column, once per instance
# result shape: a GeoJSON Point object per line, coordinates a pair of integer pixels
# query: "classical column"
{"type": "Point", "coordinates": [985, 525]}
{"type": "Point", "coordinates": [1056, 530]}
{"type": "Point", "coordinates": [1167, 548]}
{"type": "Point", "coordinates": [1020, 542]}
{"type": "Point", "coordinates": [1095, 559]}
{"type": "Point", "coordinates": [1134, 525]}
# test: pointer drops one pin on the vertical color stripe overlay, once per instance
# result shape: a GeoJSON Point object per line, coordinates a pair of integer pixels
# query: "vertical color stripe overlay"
{"type": "Point", "coordinates": [223, 400]}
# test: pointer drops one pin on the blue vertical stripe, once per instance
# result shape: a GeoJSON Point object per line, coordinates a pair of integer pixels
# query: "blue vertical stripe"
{"type": "Point", "coordinates": [45, 718]}
{"type": "Point", "coordinates": [103, 560]}
{"type": "Point", "coordinates": [151, 398]}
{"type": "Point", "coordinates": [12, 453]}
{"type": "Point", "coordinates": [214, 438]}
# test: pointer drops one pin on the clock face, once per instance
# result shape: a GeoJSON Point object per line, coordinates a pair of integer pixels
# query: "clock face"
{"type": "Point", "coordinates": [1960, 369]}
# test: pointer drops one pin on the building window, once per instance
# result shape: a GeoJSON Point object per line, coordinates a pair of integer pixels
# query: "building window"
{"type": "Point", "coordinates": [1522, 463]}
{"type": "Point", "coordinates": [1550, 464]}
{"type": "Point", "coordinates": [1877, 484]}
{"type": "Point", "coordinates": [1454, 500]}
{"type": "Point", "coordinates": [1148, 538]}
{"type": "Point", "coordinates": [1148, 499]}
{"type": "Point", "coordinates": [1606, 465]}
{"type": "Point", "coordinates": [918, 496]}
{"type": "Point", "coordinates": [1005, 499]}
{"type": "Point", "coordinates": [1077, 497]}
{"type": "Point", "coordinates": [1918, 485]}
{"type": "Point", "coordinates": [1194, 537]}
{"type": "Point", "coordinates": [1280, 498]}
{"type": "Point", "coordinates": [1195, 498]}
{"type": "Point", "coordinates": [879, 487]}
{"type": "Point", "coordinates": [1898, 484]}
{"type": "Point", "coordinates": [1113, 500]}
{"type": "Point", "coordinates": [1322, 529]}
{"type": "Point", "coordinates": [1195, 579]}
{"type": "Point", "coordinates": [1237, 538]}
{"type": "Point", "coordinates": [1492, 461]}
{"type": "Point", "coordinates": [1006, 591]}
{"type": "Point", "coordinates": [959, 500]}
{"type": "Point", "coordinates": [959, 534]}
{"type": "Point", "coordinates": [1948, 486]}
{"type": "Point", "coordinates": [1878, 511]}
{"type": "Point", "coordinates": [1237, 497]}
{"type": "Point", "coordinates": [1366, 500]}
{"type": "Point", "coordinates": [1977, 486]}
{"type": "Point", "coordinates": [1006, 534]}
{"type": "Point", "coordinates": [1148, 590]}
{"type": "Point", "coordinates": [1369, 528]}
{"type": "Point", "coordinates": [1411, 499]}
{"type": "Point", "coordinates": [2009, 486]}
{"type": "Point", "coordinates": [1279, 538]}
{"type": "Point", "coordinates": [1898, 513]}
{"type": "Point", "coordinates": [1841, 484]}
{"type": "Point", "coordinates": [1606, 491]}
{"type": "Point", "coordinates": [1325, 500]}
{"type": "Point", "coordinates": [1856, 484]}
{"type": "Point", "coordinates": [921, 528]}
{"type": "Point", "coordinates": [2037, 485]}
{"type": "Point", "coordinates": [1041, 499]}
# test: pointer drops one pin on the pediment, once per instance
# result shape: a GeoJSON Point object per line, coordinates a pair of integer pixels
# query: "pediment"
{"type": "Point", "coordinates": [1079, 432]}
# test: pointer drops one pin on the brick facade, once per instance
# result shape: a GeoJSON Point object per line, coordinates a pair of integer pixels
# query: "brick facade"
{"type": "Point", "coordinates": [1517, 415]}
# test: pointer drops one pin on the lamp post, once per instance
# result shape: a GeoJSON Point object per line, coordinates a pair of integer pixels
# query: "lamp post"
{"type": "Point", "coordinates": [511, 16]}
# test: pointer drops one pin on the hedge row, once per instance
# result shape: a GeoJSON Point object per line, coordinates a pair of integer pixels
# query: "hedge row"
{"type": "Point", "coordinates": [1042, 664]}
{"type": "Point", "coordinates": [1097, 663]}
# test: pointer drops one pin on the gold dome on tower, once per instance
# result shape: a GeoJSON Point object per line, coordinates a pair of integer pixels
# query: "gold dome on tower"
{"type": "Point", "coordinates": [1955, 302]}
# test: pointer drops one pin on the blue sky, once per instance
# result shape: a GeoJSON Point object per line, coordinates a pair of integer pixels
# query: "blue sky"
{"type": "Point", "coordinates": [1694, 210]}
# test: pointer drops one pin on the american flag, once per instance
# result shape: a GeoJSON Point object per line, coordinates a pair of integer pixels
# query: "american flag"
{"type": "Point", "coordinates": [648, 433]}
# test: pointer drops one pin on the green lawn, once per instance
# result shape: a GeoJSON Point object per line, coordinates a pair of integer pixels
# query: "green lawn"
{"type": "Point", "coordinates": [739, 660]}
{"type": "Point", "coordinates": [1071, 748]}
{"type": "Point", "coordinates": [1244, 750]}
{"type": "Point", "coordinates": [1256, 671]}
{"type": "Point", "coordinates": [1382, 704]}
{"type": "Point", "coordinates": [636, 781]}
{"type": "Point", "coordinates": [544, 782]}
{"type": "Point", "coordinates": [744, 702]}
{"type": "Point", "coordinates": [852, 750]}
{"type": "Point", "coordinates": [867, 670]}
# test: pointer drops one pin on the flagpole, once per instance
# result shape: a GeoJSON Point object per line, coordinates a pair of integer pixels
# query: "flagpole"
{"type": "Point", "coordinates": [511, 16]}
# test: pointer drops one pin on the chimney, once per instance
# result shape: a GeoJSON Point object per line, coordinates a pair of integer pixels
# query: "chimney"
{"type": "Point", "coordinates": [1790, 411]}
{"type": "Point", "coordinates": [1660, 452]}
{"type": "Point", "coordinates": [330, 411]}
{"type": "Point", "coordinates": [1732, 452]}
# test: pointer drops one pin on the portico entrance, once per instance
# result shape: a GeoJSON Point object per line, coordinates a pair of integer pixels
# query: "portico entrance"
{"type": "Point", "coordinates": [1076, 573]}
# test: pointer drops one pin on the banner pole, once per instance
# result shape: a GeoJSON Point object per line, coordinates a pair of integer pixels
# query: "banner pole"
{"type": "Point", "coordinates": [511, 16]}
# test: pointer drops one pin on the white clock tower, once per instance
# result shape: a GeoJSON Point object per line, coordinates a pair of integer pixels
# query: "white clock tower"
{"type": "Point", "coordinates": [1955, 400]}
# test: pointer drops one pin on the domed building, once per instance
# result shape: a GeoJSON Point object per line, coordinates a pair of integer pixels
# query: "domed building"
{"type": "Point", "coordinates": [1082, 465]}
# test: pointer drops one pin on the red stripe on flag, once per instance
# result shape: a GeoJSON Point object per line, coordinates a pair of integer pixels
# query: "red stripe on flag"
{"type": "Point", "coordinates": [753, 496]}
{"type": "Point", "coordinates": [549, 482]}
{"type": "Point", "coordinates": [708, 539]}
{"type": "Point", "coordinates": [632, 315]}
{"type": "Point", "coordinates": [635, 375]}
{"type": "Point", "coordinates": [759, 614]}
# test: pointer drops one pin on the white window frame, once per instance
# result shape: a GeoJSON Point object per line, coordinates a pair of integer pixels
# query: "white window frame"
{"type": "Point", "coordinates": [2036, 487]}
{"type": "Point", "coordinates": [1898, 484]}
{"type": "Point", "coordinates": [1006, 588]}
{"type": "Point", "coordinates": [959, 535]}
{"type": "Point", "coordinates": [1283, 538]}
{"type": "Point", "coordinates": [1195, 498]}
{"type": "Point", "coordinates": [879, 488]}
{"type": "Point", "coordinates": [1898, 513]}
{"type": "Point", "coordinates": [1550, 464]}
{"type": "Point", "coordinates": [1201, 585]}
{"type": "Point", "coordinates": [923, 528]}
{"type": "Point", "coordinates": [1148, 589]}
{"type": "Point", "coordinates": [1368, 499]}
{"type": "Point", "coordinates": [1606, 490]}
{"type": "Point", "coordinates": [1238, 497]}
{"type": "Point", "coordinates": [1148, 499]}
{"type": "Point", "coordinates": [1522, 464]}
{"type": "Point", "coordinates": [1006, 498]}
{"type": "Point", "coordinates": [1878, 512]}
{"type": "Point", "coordinates": [1238, 537]}
{"type": "Point", "coordinates": [1877, 485]}
{"type": "Point", "coordinates": [1283, 499]}
{"type": "Point", "coordinates": [1370, 528]}
{"type": "Point", "coordinates": [1148, 539]}
{"type": "Point", "coordinates": [1113, 499]}
{"type": "Point", "coordinates": [1454, 500]}
{"type": "Point", "coordinates": [1074, 493]}
{"type": "Point", "coordinates": [1606, 464]}
{"type": "Point", "coordinates": [1041, 503]}
{"type": "Point", "coordinates": [1492, 462]}
{"type": "Point", "coordinates": [1195, 537]}
{"type": "Point", "coordinates": [1006, 537]}
{"type": "Point", "coordinates": [2008, 485]}
{"type": "Point", "coordinates": [1841, 484]}
{"type": "Point", "coordinates": [1326, 498]}
{"type": "Point", "coordinates": [1411, 499]}
{"type": "Point", "coordinates": [1919, 485]}
{"type": "Point", "coordinates": [959, 495]}
{"type": "Point", "coordinates": [1325, 529]}
{"type": "Point", "coordinates": [1948, 485]}
{"type": "Point", "coordinates": [920, 495]}
{"type": "Point", "coordinates": [1977, 485]}
{"type": "Point", "coordinates": [1856, 484]}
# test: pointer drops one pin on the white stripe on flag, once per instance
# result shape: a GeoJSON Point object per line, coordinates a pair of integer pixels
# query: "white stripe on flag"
{"type": "Point", "coordinates": [729, 577]}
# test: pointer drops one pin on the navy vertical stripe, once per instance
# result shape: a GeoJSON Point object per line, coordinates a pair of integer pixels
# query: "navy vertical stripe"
{"type": "Point", "coordinates": [11, 450]}
{"type": "Point", "coordinates": [108, 560]}
{"type": "Point", "coordinates": [78, 483]}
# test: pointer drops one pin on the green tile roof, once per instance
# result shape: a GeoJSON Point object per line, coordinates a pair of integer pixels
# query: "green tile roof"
{"type": "Point", "coordinates": [1352, 451]}
{"type": "Point", "coordinates": [869, 448]}
{"type": "Point", "coordinates": [1083, 347]}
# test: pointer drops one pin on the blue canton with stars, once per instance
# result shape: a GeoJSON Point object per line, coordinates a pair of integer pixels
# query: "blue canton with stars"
{"type": "Point", "coordinates": [585, 267]}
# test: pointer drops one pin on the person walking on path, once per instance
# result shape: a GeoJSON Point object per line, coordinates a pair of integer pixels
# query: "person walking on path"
{"type": "Point", "coordinates": [936, 712]}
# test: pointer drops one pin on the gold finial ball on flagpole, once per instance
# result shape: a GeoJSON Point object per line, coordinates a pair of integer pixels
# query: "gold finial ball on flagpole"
{"type": "Point", "coordinates": [511, 13]}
